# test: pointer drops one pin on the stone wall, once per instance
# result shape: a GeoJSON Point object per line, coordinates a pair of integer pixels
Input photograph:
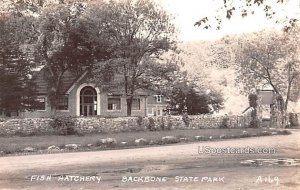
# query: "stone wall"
{"type": "Point", "coordinates": [26, 127]}
{"type": "Point", "coordinates": [83, 125]}
{"type": "Point", "coordinates": [294, 120]}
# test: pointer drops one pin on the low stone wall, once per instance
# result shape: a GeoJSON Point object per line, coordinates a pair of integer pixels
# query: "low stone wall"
{"type": "Point", "coordinates": [294, 119]}
{"type": "Point", "coordinates": [26, 127]}
{"type": "Point", "coordinates": [197, 121]}
{"type": "Point", "coordinates": [36, 126]}
{"type": "Point", "coordinates": [106, 125]}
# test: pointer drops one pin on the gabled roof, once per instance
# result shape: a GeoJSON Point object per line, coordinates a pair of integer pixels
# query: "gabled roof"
{"type": "Point", "coordinates": [68, 79]}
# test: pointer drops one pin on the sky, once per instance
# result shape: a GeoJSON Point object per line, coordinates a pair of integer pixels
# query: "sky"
{"type": "Point", "coordinates": [187, 12]}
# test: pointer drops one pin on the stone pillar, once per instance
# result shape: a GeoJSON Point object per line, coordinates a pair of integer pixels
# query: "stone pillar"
{"type": "Point", "coordinates": [259, 110]}
{"type": "Point", "coordinates": [277, 116]}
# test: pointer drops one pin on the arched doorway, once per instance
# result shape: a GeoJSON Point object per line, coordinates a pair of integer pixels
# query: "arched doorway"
{"type": "Point", "coordinates": [88, 101]}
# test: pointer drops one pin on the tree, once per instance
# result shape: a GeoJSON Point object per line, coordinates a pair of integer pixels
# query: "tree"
{"type": "Point", "coordinates": [57, 36]}
{"type": "Point", "coordinates": [272, 10]}
{"type": "Point", "coordinates": [17, 92]}
{"type": "Point", "coordinates": [186, 97]}
{"type": "Point", "coordinates": [270, 59]}
{"type": "Point", "coordinates": [135, 34]}
{"type": "Point", "coordinates": [31, 7]}
{"type": "Point", "coordinates": [61, 44]}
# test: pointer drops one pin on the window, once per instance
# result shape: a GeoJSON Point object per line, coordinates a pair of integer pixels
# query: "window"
{"type": "Point", "coordinates": [136, 104]}
{"type": "Point", "coordinates": [158, 98]}
{"type": "Point", "coordinates": [41, 103]}
{"type": "Point", "coordinates": [156, 111]}
{"type": "Point", "coordinates": [150, 111]}
{"type": "Point", "coordinates": [62, 102]}
{"type": "Point", "coordinates": [114, 103]}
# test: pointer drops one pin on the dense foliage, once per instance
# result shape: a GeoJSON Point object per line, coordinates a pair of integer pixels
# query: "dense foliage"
{"type": "Point", "coordinates": [185, 98]}
{"type": "Point", "coordinates": [17, 91]}
{"type": "Point", "coordinates": [136, 34]}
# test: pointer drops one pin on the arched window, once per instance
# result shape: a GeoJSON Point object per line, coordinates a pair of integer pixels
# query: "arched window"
{"type": "Point", "coordinates": [88, 101]}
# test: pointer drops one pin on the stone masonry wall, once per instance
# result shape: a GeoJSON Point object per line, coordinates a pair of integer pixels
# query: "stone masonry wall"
{"type": "Point", "coordinates": [36, 126]}
{"type": "Point", "coordinates": [28, 126]}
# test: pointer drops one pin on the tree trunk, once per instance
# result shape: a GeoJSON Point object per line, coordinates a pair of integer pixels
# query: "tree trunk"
{"type": "Point", "coordinates": [129, 104]}
{"type": "Point", "coordinates": [53, 110]}
{"type": "Point", "coordinates": [283, 112]}
{"type": "Point", "coordinates": [54, 91]}
{"type": "Point", "coordinates": [52, 100]}
{"type": "Point", "coordinates": [290, 81]}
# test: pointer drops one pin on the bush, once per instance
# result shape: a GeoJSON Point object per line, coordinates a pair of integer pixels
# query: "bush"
{"type": "Point", "coordinates": [293, 120]}
{"type": "Point", "coordinates": [139, 121]}
{"type": "Point", "coordinates": [151, 125]}
{"type": "Point", "coordinates": [162, 125]}
{"type": "Point", "coordinates": [186, 119]}
{"type": "Point", "coordinates": [169, 124]}
{"type": "Point", "coordinates": [254, 123]}
{"type": "Point", "coordinates": [252, 98]}
{"type": "Point", "coordinates": [64, 125]}
{"type": "Point", "coordinates": [225, 123]}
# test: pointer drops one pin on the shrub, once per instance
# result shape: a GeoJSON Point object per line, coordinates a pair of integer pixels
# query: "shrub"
{"type": "Point", "coordinates": [293, 120]}
{"type": "Point", "coordinates": [169, 124]}
{"type": "Point", "coordinates": [254, 123]}
{"type": "Point", "coordinates": [252, 98]}
{"type": "Point", "coordinates": [225, 123]}
{"type": "Point", "coordinates": [162, 123]}
{"type": "Point", "coordinates": [186, 119]}
{"type": "Point", "coordinates": [64, 125]}
{"type": "Point", "coordinates": [151, 124]}
{"type": "Point", "coordinates": [139, 121]}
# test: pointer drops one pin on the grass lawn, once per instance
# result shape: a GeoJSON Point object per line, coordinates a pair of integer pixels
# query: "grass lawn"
{"type": "Point", "coordinates": [16, 145]}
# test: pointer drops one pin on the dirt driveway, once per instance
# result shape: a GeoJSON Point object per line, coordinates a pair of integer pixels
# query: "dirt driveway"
{"type": "Point", "coordinates": [165, 167]}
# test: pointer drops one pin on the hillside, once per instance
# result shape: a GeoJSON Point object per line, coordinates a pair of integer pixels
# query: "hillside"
{"type": "Point", "coordinates": [196, 56]}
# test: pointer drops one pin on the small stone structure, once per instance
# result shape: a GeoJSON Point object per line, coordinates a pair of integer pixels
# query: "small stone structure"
{"type": "Point", "coordinates": [269, 102]}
